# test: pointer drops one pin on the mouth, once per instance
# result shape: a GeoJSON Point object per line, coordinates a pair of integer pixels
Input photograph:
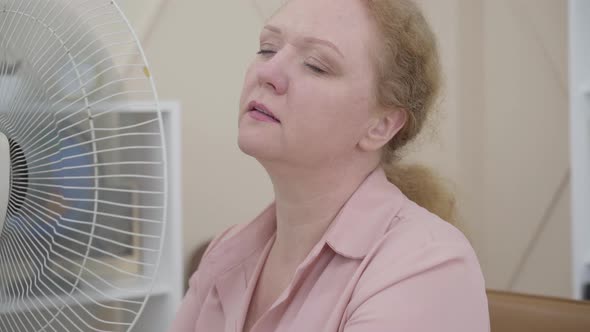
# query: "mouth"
{"type": "Point", "coordinates": [261, 112]}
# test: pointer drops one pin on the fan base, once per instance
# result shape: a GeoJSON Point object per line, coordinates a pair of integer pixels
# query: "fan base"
{"type": "Point", "coordinates": [4, 177]}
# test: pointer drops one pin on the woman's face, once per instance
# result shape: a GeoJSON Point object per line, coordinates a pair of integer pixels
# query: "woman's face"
{"type": "Point", "coordinates": [314, 74]}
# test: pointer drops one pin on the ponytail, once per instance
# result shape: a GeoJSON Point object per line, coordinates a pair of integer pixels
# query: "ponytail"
{"type": "Point", "coordinates": [425, 188]}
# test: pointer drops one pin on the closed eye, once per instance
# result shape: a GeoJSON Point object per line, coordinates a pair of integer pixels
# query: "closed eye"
{"type": "Point", "coordinates": [316, 69]}
{"type": "Point", "coordinates": [265, 52]}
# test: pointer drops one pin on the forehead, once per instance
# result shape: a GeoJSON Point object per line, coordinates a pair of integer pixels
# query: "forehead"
{"type": "Point", "coordinates": [346, 23]}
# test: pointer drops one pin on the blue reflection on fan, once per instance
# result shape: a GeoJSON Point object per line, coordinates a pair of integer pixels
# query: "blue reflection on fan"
{"type": "Point", "coordinates": [71, 175]}
{"type": "Point", "coordinates": [56, 213]}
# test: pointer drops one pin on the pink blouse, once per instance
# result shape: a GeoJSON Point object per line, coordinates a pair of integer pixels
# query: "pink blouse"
{"type": "Point", "coordinates": [384, 264]}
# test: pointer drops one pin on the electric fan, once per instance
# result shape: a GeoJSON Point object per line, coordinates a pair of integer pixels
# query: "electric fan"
{"type": "Point", "coordinates": [82, 178]}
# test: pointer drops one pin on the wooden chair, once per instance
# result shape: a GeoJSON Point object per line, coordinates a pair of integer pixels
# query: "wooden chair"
{"type": "Point", "coordinates": [512, 312]}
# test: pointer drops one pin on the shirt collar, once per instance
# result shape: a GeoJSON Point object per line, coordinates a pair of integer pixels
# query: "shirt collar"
{"type": "Point", "coordinates": [366, 216]}
{"type": "Point", "coordinates": [363, 219]}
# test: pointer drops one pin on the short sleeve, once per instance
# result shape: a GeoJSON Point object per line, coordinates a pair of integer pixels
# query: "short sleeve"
{"type": "Point", "coordinates": [438, 288]}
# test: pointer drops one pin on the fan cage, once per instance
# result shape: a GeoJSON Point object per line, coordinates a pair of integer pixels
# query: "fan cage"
{"type": "Point", "coordinates": [85, 221]}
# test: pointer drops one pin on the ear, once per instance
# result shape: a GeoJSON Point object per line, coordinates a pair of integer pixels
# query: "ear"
{"type": "Point", "coordinates": [382, 128]}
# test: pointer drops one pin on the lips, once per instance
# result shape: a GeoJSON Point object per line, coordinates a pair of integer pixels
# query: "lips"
{"type": "Point", "coordinates": [254, 106]}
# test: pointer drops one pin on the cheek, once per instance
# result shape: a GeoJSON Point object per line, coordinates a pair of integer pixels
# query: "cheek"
{"type": "Point", "coordinates": [331, 118]}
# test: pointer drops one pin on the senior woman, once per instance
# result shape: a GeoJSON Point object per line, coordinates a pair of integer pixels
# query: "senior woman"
{"type": "Point", "coordinates": [353, 242]}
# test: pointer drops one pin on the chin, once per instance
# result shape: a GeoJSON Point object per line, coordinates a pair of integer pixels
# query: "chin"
{"type": "Point", "coordinates": [254, 146]}
{"type": "Point", "coordinates": [256, 141]}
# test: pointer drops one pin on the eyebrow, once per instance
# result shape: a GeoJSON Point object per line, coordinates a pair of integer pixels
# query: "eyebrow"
{"type": "Point", "coordinates": [308, 40]}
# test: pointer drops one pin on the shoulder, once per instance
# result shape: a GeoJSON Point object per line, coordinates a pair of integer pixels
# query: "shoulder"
{"type": "Point", "coordinates": [417, 233]}
{"type": "Point", "coordinates": [415, 227]}
{"type": "Point", "coordinates": [420, 252]}
{"type": "Point", "coordinates": [217, 241]}
{"type": "Point", "coordinates": [223, 237]}
{"type": "Point", "coordinates": [237, 243]}
{"type": "Point", "coordinates": [422, 276]}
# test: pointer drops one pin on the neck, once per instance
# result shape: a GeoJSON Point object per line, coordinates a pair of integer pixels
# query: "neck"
{"type": "Point", "coordinates": [306, 203]}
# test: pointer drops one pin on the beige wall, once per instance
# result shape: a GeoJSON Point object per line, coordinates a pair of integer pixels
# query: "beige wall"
{"type": "Point", "coordinates": [526, 142]}
{"type": "Point", "coordinates": [501, 134]}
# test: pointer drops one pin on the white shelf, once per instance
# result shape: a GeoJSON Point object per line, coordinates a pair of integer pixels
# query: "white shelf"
{"type": "Point", "coordinates": [579, 61]}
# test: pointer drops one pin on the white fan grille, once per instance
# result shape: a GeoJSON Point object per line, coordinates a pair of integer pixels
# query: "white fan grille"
{"type": "Point", "coordinates": [85, 220]}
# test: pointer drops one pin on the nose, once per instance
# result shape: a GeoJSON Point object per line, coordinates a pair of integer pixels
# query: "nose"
{"type": "Point", "coordinates": [272, 75]}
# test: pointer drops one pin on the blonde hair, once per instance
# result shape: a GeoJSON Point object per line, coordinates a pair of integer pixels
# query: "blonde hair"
{"type": "Point", "coordinates": [409, 79]}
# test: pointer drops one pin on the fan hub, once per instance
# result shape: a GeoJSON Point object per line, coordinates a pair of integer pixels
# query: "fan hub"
{"type": "Point", "coordinates": [4, 177]}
